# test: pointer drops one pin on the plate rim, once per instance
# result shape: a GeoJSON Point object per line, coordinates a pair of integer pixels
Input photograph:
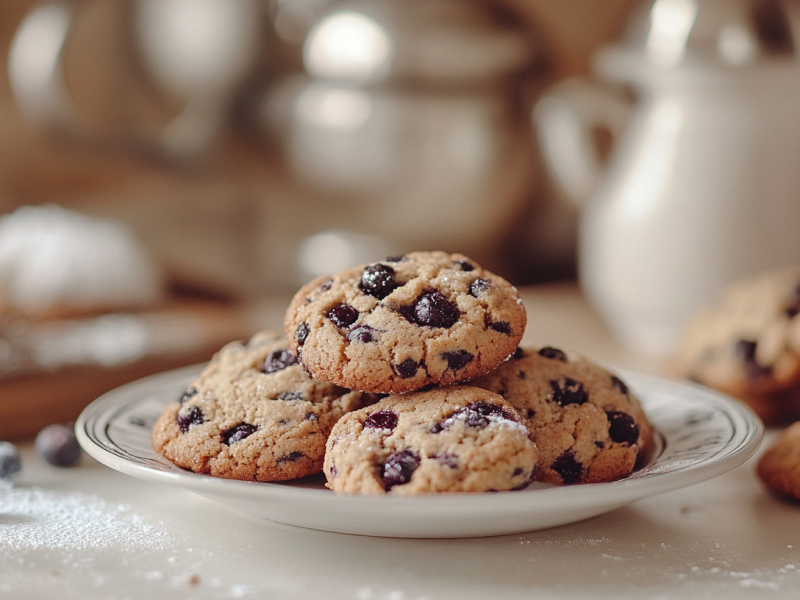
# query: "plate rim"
{"type": "Point", "coordinates": [633, 488]}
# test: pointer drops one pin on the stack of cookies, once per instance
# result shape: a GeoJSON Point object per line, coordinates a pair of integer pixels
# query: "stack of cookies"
{"type": "Point", "coordinates": [369, 385]}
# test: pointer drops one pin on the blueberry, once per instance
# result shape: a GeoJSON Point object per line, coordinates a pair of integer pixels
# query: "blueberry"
{"type": "Point", "coordinates": [458, 359]}
{"type": "Point", "coordinates": [432, 309]}
{"type": "Point", "coordinates": [478, 412]}
{"type": "Point", "coordinates": [465, 265]}
{"type": "Point", "coordinates": [289, 396]}
{"type": "Point", "coordinates": [378, 281]}
{"type": "Point", "coordinates": [622, 428]}
{"type": "Point", "coordinates": [407, 368]}
{"type": "Point", "coordinates": [188, 394]}
{"type": "Point", "coordinates": [302, 333]}
{"type": "Point", "coordinates": [382, 419]}
{"type": "Point", "coordinates": [477, 287]}
{"type": "Point", "coordinates": [10, 463]}
{"type": "Point", "coordinates": [518, 353]}
{"type": "Point", "coordinates": [746, 351]}
{"type": "Point", "coordinates": [342, 315]}
{"type": "Point", "coordinates": [362, 333]}
{"type": "Point", "coordinates": [568, 467]}
{"type": "Point", "coordinates": [291, 457]}
{"type": "Point", "coordinates": [502, 327]}
{"type": "Point", "coordinates": [278, 360]}
{"type": "Point", "coordinates": [396, 258]}
{"type": "Point", "coordinates": [553, 354]}
{"type": "Point", "coordinates": [476, 415]}
{"type": "Point", "coordinates": [193, 416]}
{"type": "Point", "coordinates": [447, 459]}
{"type": "Point", "coordinates": [326, 285]}
{"type": "Point", "coordinates": [619, 385]}
{"type": "Point", "coordinates": [399, 468]}
{"type": "Point", "coordinates": [568, 392]}
{"type": "Point", "coordinates": [238, 433]}
{"type": "Point", "coordinates": [58, 446]}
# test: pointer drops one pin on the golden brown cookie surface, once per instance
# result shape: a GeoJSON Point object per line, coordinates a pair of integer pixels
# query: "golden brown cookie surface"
{"type": "Point", "coordinates": [253, 414]}
{"type": "Point", "coordinates": [405, 322]}
{"type": "Point", "coordinates": [748, 345]}
{"type": "Point", "coordinates": [585, 421]}
{"type": "Point", "coordinates": [779, 466]}
{"type": "Point", "coordinates": [452, 439]}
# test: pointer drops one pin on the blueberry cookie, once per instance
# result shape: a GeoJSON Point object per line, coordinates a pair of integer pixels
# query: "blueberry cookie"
{"type": "Point", "coordinates": [405, 322]}
{"type": "Point", "coordinates": [585, 421]}
{"type": "Point", "coordinates": [453, 439]}
{"type": "Point", "coordinates": [748, 345]}
{"type": "Point", "coordinates": [253, 414]}
{"type": "Point", "coordinates": [779, 466]}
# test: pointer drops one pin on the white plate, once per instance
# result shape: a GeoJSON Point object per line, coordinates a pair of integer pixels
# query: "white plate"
{"type": "Point", "coordinates": [700, 434]}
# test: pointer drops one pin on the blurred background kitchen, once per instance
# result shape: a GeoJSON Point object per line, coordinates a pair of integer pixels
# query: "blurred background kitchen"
{"type": "Point", "coordinates": [242, 147]}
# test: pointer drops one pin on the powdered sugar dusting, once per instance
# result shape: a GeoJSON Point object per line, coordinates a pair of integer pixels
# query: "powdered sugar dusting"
{"type": "Point", "coordinates": [35, 518]}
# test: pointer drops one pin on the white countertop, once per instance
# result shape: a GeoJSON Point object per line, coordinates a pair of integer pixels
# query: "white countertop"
{"type": "Point", "coordinates": [89, 532]}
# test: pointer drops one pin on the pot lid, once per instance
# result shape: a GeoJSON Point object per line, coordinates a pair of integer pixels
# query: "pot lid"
{"type": "Point", "coordinates": [443, 41]}
{"type": "Point", "coordinates": [729, 33]}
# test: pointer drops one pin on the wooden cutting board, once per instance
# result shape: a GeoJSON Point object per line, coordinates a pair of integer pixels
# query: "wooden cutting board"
{"type": "Point", "coordinates": [182, 333]}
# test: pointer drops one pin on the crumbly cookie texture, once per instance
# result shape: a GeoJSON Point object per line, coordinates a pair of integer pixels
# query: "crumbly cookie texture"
{"type": "Point", "coordinates": [253, 414]}
{"type": "Point", "coordinates": [452, 439]}
{"type": "Point", "coordinates": [779, 466]}
{"type": "Point", "coordinates": [748, 345]}
{"type": "Point", "coordinates": [586, 423]}
{"type": "Point", "coordinates": [405, 322]}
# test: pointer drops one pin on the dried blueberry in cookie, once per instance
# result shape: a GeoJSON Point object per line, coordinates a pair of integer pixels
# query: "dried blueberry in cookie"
{"type": "Point", "coordinates": [342, 315]}
{"type": "Point", "coordinates": [381, 419]}
{"type": "Point", "coordinates": [622, 428]}
{"type": "Point", "coordinates": [187, 394]}
{"type": "Point", "coordinates": [432, 309]}
{"type": "Point", "coordinates": [238, 433]}
{"type": "Point", "coordinates": [278, 360]}
{"type": "Point", "coordinates": [553, 353]}
{"type": "Point", "coordinates": [426, 318]}
{"type": "Point", "coordinates": [253, 413]}
{"type": "Point", "coordinates": [586, 423]}
{"type": "Point", "coordinates": [407, 368]}
{"type": "Point", "coordinates": [378, 280]}
{"type": "Point", "coordinates": [399, 468]}
{"type": "Point", "coordinates": [189, 418]}
{"type": "Point", "coordinates": [451, 439]}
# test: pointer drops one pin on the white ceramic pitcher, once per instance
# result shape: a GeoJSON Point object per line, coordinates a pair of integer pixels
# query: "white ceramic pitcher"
{"type": "Point", "coordinates": [702, 185]}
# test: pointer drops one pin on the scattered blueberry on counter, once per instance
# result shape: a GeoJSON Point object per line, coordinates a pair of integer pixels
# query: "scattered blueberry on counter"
{"type": "Point", "coordinates": [58, 446]}
{"type": "Point", "coordinates": [10, 463]}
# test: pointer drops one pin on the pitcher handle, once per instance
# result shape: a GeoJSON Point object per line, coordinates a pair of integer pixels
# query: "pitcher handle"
{"type": "Point", "coordinates": [564, 118]}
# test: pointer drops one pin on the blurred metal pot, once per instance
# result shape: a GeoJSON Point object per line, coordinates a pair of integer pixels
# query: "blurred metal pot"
{"type": "Point", "coordinates": [411, 117]}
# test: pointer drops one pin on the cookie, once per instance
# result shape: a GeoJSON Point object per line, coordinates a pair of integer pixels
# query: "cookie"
{"type": "Point", "coordinates": [453, 439]}
{"type": "Point", "coordinates": [747, 345]}
{"type": "Point", "coordinates": [405, 323]}
{"type": "Point", "coordinates": [779, 466]}
{"type": "Point", "coordinates": [586, 423]}
{"type": "Point", "coordinates": [253, 414]}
